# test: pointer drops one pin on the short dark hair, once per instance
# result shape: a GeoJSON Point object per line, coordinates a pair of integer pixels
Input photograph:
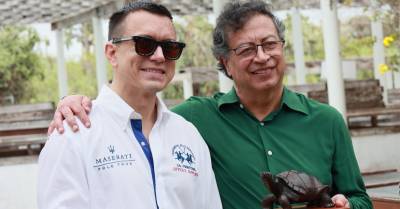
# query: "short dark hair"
{"type": "Point", "coordinates": [117, 18]}
{"type": "Point", "coordinates": [233, 17]}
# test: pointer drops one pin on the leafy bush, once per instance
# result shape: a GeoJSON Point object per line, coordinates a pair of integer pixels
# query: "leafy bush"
{"type": "Point", "coordinates": [18, 62]}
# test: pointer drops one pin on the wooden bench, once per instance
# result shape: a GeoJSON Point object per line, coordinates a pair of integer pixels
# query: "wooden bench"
{"type": "Point", "coordinates": [360, 94]}
{"type": "Point", "coordinates": [364, 103]}
{"type": "Point", "coordinates": [394, 97]}
{"type": "Point", "coordinates": [23, 128]}
{"type": "Point", "coordinates": [381, 178]}
{"type": "Point", "coordinates": [385, 203]}
{"type": "Point", "coordinates": [383, 188]}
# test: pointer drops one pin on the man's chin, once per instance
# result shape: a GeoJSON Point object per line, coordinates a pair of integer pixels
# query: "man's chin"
{"type": "Point", "coordinates": [269, 85]}
{"type": "Point", "coordinates": [155, 87]}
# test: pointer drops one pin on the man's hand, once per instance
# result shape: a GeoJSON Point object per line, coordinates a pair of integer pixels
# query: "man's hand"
{"type": "Point", "coordinates": [77, 105]}
{"type": "Point", "coordinates": [341, 201]}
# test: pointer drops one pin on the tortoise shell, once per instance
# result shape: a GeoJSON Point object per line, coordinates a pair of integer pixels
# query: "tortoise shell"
{"type": "Point", "coordinates": [300, 182]}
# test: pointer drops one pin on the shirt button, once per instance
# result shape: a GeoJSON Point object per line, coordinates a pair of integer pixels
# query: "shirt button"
{"type": "Point", "coordinates": [143, 144]}
{"type": "Point", "coordinates": [262, 123]}
{"type": "Point", "coordinates": [241, 106]}
{"type": "Point", "coordinates": [269, 152]}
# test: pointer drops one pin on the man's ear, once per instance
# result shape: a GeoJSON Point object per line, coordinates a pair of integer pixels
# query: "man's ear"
{"type": "Point", "coordinates": [224, 61]}
{"type": "Point", "coordinates": [110, 51]}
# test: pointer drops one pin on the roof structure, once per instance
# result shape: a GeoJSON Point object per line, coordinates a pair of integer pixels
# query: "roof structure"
{"type": "Point", "coordinates": [309, 4]}
{"type": "Point", "coordinates": [75, 11]}
{"type": "Point", "coordinates": [44, 11]}
{"type": "Point", "coordinates": [53, 11]}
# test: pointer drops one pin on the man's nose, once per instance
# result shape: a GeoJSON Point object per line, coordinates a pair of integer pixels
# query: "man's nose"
{"type": "Point", "coordinates": [262, 55]}
{"type": "Point", "coordinates": [158, 55]}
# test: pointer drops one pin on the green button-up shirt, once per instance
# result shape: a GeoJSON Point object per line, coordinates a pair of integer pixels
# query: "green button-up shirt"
{"type": "Point", "coordinates": [302, 135]}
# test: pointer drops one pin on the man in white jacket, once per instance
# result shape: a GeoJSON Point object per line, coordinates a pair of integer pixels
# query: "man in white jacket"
{"type": "Point", "coordinates": [137, 154]}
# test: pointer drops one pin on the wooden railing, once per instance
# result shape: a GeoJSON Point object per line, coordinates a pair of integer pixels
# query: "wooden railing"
{"type": "Point", "coordinates": [384, 188]}
{"type": "Point", "coordinates": [385, 203]}
{"type": "Point", "coordinates": [366, 111]}
{"type": "Point", "coordinates": [23, 128]}
{"type": "Point", "coordinates": [360, 94]}
{"type": "Point", "coordinates": [394, 97]}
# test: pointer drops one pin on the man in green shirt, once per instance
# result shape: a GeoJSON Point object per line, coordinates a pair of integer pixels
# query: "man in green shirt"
{"type": "Point", "coordinates": [260, 125]}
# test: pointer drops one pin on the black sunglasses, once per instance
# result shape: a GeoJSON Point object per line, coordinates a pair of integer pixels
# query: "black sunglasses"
{"type": "Point", "coordinates": [146, 46]}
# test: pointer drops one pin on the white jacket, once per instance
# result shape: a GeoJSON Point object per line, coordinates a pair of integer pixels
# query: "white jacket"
{"type": "Point", "coordinates": [104, 167]}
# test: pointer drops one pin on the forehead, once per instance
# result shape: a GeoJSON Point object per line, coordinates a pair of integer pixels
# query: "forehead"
{"type": "Point", "coordinates": [145, 23]}
{"type": "Point", "coordinates": [256, 29]}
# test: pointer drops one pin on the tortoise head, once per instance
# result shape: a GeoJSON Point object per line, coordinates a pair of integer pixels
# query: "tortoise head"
{"type": "Point", "coordinates": [271, 182]}
{"type": "Point", "coordinates": [325, 199]}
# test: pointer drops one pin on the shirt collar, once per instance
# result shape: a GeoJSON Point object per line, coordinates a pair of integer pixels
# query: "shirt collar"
{"type": "Point", "coordinates": [293, 101]}
{"type": "Point", "coordinates": [162, 109]}
{"type": "Point", "coordinates": [121, 111]}
{"type": "Point", "coordinates": [228, 98]}
{"type": "Point", "coordinates": [289, 99]}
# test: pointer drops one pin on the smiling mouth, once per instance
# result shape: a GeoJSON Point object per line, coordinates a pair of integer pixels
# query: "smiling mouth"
{"type": "Point", "coordinates": [262, 71]}
{"type": "Point", "coordinates": [153, 70]}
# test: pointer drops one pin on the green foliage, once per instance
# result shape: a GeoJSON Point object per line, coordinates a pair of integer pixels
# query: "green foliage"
{"type": "Point", "coordinates": [81, 73]}
{"type": "Point", "coordinates": [393, 52]}
{"type": "Point", "coordinates": [32, 78]}
{"type": "Point", "coordinates": [388, 12]}
{"type": "Point", "coordinates": [80, 80]}
{"type": "Point", "coordinates": [392, 21]}
{"type": "Point", "coordinates": [196, 32]}
{"type": "Point", "coordinates": [364, 74]}
{"type": "Point", "coordinates": [173, 91]}
{"type": "Point", "coordinates": [356, 39]}
{"type": "Point", "coordinates": [313, 78]}
{"type": "Point", "coordinates": [18, 62]}
{"type": "Point", "coordinates": [312, 40]}
{"type": "Point", "coordinates": [46, 88]}
{"type": "Point", "coordinates": [209, 88]}
{"type": "Point", "coordinates": [81, 33]}
{"type": "Point", "coordinates": [356, 47]}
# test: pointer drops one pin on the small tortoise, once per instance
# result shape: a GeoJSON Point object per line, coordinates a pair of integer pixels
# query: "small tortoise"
{"type": "Point", "coordinates": [294, 186]}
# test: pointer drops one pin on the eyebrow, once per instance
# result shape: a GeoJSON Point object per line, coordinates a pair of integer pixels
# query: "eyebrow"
{"type": "Point", "coordinates": [267, 38]}
{"type": "Point", "coordinates": [148, 36]}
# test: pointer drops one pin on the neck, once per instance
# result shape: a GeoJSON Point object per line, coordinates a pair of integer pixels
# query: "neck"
{"type": "Point", "coordinates": [260, 103]}
{"type": "Point", "coordinates": [145, 103]}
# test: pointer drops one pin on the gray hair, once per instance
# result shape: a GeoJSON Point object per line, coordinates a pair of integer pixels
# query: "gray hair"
{"type": "Point", "coordinates": [233, 17]}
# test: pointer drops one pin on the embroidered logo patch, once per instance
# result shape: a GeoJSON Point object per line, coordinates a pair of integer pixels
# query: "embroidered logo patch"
{"type": "Point", "coordinates": [113, 159]}
{"type": "Point", "coordinates": [185, 159]}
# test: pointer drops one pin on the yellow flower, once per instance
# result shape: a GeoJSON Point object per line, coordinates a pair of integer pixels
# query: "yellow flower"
{"type": "Point", "coordinates": [383, 69]}
{"type": "Point", "coordinates": [388, 40]}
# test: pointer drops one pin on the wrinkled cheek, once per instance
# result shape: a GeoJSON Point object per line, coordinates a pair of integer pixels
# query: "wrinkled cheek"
{"type": "Point", "coordinates": [282, 66]}
{"type": "Point", "coordinates": [244, 65]}
{"type": "Point", "coordinates": [272, 62]}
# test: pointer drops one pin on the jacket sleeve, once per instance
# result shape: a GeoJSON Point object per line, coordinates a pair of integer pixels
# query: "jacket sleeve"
{"type": "Point", "coordinates": [62, 181]}
{"type": "Point", "coordinates": [346, 174]}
